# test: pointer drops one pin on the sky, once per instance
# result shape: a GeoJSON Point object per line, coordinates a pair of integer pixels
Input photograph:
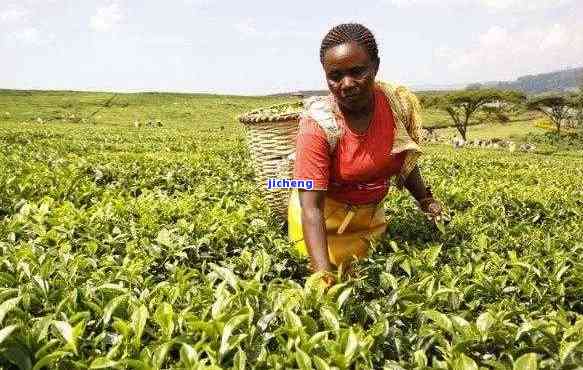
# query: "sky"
{"type": "Point", "coordinates": [255, 47]}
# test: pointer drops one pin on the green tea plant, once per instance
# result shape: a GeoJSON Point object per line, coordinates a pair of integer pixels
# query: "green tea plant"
{"type": "Point", "coordinates": [126, 247]}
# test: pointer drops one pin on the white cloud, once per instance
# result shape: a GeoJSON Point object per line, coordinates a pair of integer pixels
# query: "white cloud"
{"type": "Point", "coordinates": [246, 28]}
{"type": "Point", "coordinates": [30, 36]}
{"type": "Point", "coordinates": [13, 15]}
{"type": "Point", "coordinates": [403, 3]}
{"type": "Point", "coordinates": [495, 5]}
{"type": "Point", "coordinates": [524, 5]}
{"type": "Point", "coordinates": [443, 52]}
{"type": "Point", "coordinates": [107, 17]}
{"type": "Point", "coordinates": [198, 3]}
{"type": "Point", "coordinates": [555, 37]}
{"type": "Point", "coordinates": [501, 53]}
{"type": "Point", "coordinates": [494, 37]}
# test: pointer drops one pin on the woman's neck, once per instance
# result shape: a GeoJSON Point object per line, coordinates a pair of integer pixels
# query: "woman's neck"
{"type": "Point", "coordinates": [360, 120]}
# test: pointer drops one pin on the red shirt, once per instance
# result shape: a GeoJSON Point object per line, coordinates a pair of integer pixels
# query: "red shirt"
{"type": "Point", "coordinates": [357, 172]}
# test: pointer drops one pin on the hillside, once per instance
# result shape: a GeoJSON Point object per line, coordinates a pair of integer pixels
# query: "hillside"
{"type": "Point", "coordinates": [564, 80]}
{"type": "Point", "coordinates": [418, 88]}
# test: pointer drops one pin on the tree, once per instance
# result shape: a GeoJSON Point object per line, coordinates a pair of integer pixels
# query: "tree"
{"type": "Point", "coordinates": [461, 105]}
{"type": "Point", "coordinates": [557, 107]}
{"type": "Point", "coordinates": [429, 100]}
{"type": "Point", "coordinates": [579, 101]}
{"type": "Point", "coordinates": [496, 112]}
{"type": "Point", "coordinates": [474, 86]}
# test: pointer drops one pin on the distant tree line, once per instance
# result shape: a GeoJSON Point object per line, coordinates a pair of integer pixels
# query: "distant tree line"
{"type": "Point", "coordinates": [462, 105]}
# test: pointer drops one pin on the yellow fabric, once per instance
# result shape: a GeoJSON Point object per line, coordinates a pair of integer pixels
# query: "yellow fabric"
{"type": "Point", "coordinates": [406, 108]}
{"type": "Point", "coordinates": [407, 113]}
{"type": "Point", "coordinates": [366, 223]}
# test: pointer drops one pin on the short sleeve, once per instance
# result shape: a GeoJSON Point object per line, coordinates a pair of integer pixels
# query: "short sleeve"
{"type": "Point", "coordinates": [312, 154]}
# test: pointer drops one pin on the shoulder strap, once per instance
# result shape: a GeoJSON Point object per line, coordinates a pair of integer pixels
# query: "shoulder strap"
{"type": "Point", "coordinates": [406, 108]}
{"type": "Point", "coordinates": [319, 108]}
{"type": "Point", "coordinates": [407, 112]}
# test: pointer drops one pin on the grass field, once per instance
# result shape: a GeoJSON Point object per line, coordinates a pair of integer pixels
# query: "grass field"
{"type": "Point", "coordinates": [151, 248]}
{"type": "Point", "coordinates": [516, 131]}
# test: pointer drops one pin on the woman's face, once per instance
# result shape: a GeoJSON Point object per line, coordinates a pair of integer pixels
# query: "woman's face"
{"type": "Point", "coordinates": [350, 74]}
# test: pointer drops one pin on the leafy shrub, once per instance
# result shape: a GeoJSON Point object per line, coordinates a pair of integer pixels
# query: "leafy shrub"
{"type": "Point", "coordinates": [124, 248]}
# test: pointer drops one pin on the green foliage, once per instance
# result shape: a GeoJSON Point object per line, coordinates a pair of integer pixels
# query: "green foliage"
{"type": "Point", "coordinates": [474, 86]}
{"type": "Point", "coordinates": [462, 105]}
{"type": "Point", "coordinates": [568, 142]}
{"type": "Point", "coordinates": [151, 248]}
{"type": "Point", "coordinates": [429, 100]}
{"type": "Point", "coordinates": [578, 105]}
{"type": "Point", "coordinates": [557, 107]}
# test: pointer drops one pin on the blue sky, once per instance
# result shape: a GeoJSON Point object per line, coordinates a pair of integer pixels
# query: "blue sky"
{"type": "Point", "coordinates": [261, 47]}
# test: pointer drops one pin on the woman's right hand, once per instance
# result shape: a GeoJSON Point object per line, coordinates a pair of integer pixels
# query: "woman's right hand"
{"type": "Point", "coordinates": [328, 279]}
{"type": "Point", "coordinates": [326, 268]}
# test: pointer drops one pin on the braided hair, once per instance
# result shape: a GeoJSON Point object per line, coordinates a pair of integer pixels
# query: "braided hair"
{"type": "Point", "coordinates": [350, 32]}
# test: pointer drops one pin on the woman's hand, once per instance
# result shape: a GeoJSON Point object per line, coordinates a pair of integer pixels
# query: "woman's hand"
{"type": "Point", "coordinates": [431, 208]}
{"type": "Point", "coordinates": [434, 213]}
{"type": "Point", "coordinates": [428, 205]}
{"type": "Point", "coordinates": [328, 279]}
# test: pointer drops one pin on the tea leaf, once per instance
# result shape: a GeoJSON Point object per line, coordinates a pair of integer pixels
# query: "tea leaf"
{"type": "Point", "coordinates": [463, 362]}
{"type": "Point", "coordinates": [7, 306]}
{"type": "Point", "coordinates": [5, 332]}
{"type": "Point", "coordinates": [231, 325]}
{"type": "Point", "coordinates": [526, 362]}
{"type": "Point", "coordinates": [441, 320]}
{"type": "Point", "coordinates": [103, 363]}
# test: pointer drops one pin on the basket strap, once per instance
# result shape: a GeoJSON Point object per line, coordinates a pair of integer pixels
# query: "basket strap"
{"type": "Point", "coordinates": [319, 108]}
{"type": "Point", "coordinates": [405, 108]}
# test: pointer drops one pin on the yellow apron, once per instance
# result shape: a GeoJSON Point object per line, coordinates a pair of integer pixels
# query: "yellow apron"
{"type": "Point", "coordinates": [348, 228]}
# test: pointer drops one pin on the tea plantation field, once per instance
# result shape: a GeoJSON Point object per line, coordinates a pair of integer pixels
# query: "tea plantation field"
{"type": "Point", "coordinates": [150, 247]}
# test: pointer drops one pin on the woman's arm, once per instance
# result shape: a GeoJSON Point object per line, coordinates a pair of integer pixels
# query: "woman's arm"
{"type": "Point", "coordinates": [416, 186]}
{"type": "Point", "coordinates": [314, 228]}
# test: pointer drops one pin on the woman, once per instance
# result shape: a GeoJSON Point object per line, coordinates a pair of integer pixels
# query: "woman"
{"type": "Point", "coordinates": [334, 222]}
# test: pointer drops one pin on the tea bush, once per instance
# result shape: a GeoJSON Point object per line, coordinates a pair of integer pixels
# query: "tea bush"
{"type": "Point", "coordinates": [151, 248]}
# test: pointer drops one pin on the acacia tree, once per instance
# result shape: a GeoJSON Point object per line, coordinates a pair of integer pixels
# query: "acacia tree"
{"type": "Point", "coordinates": [429, 100]}
{"type": "Point", "coordinates": [462, 105]}
{"type": "Point", "coordinates": [579, 101]}
{"type": "Point", "coordinates": [557, 107]}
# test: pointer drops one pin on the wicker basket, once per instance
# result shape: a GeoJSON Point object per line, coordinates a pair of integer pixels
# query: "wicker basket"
{"type": "Point", "coordinates": [271, 136]}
